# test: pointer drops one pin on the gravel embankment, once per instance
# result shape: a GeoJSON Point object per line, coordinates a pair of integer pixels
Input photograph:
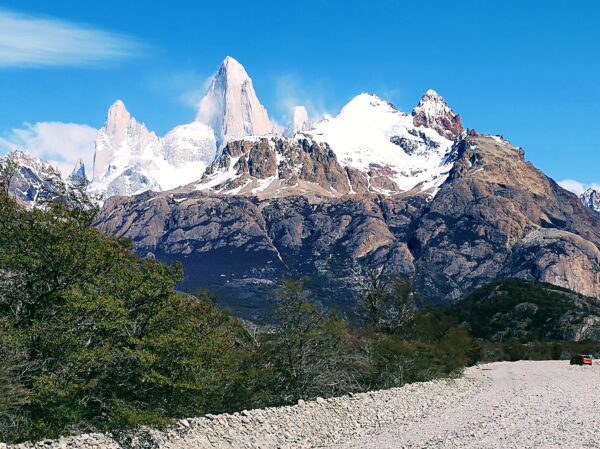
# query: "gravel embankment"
{"type": "Point", "coordinates": [500, 405]}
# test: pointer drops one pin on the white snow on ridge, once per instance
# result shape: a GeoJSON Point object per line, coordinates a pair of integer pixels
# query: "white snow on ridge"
{"type": "Point", "coordinates": [369, 134]}
{"type": "Point", "coordinates": [362, 136]}
{"type": "Point", "coordinates": [220, 176]}
{"type": "Point", "coordinates": [129, 159]}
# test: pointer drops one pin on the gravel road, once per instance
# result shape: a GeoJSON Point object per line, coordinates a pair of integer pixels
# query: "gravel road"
{"type": "Point", "coordinates": [546, 404]}
{"type": "Point", "coordinates": [502, 405]}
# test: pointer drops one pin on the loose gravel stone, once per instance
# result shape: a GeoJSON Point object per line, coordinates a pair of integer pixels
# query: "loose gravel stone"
{"type": "Point", "coordinates": [522, 404]}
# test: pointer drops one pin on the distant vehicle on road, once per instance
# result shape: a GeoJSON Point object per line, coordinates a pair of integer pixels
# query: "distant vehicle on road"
{"type": "Point", "coordinates": [581, 360]}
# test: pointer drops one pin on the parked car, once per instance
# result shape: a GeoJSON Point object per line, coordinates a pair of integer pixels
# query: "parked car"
{"type": "Point", "coordinates": [581, 360]}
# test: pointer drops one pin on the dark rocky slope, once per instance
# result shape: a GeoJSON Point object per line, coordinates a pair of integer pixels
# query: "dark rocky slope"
{"type": "Point", "coordinates": [496, 216]}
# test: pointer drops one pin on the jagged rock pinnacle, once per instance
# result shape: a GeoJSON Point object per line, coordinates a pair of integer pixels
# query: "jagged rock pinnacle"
{"type": "Point", "coordinates": [231, 107]}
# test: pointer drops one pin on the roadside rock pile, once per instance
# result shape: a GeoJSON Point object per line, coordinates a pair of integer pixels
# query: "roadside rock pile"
{"type": "Point", "coordinates": [305, 425]}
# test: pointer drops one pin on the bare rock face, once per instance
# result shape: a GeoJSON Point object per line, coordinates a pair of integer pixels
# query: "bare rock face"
{"type": "Point", "coordinates": [496, 216]}
{"type": "Point", "coordinates": [241, 245]}
{"type": "Point", "coordinates": [277, 166]}
{"type": "Point", "coordinates": [231, 107]}
{"type": "Point", "coordinates": [560, 258]}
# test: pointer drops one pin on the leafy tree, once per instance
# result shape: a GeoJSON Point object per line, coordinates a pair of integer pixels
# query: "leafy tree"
{"type": "Point", "coordinates": [388, 303]}
{"type": "Point", "coordinates": [13, 394]}
{"type": "Point", "coordinates": [105, 340]}
{"type": "Point", "coordinates": [306, 347]}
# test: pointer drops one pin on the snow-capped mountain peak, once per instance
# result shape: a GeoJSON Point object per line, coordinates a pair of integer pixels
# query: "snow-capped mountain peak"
{"type": "Point", "coordinates": [591, 198]}
{"type": "Point", "coordinates": [231, 107]}
{"type": "Point", "coordinates": [433, 112]}
{"type": "Point", "coordinates": [78, 174]}
{"type": "Point", "coordinates": [389, 150]}
{"type": "Point", "coordinates": [121, 139]}
{"type": "Point", "coordinates": [130, 159]}
{"type": "Point", "coordinates": [371, 135]}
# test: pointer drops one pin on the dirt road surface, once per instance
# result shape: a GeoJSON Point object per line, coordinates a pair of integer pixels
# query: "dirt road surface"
{"type": "Point", "coordinates": [547, 404]}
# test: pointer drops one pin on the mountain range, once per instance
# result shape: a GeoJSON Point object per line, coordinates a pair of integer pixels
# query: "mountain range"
{"type": "Point", "coordinates": [243, 202]}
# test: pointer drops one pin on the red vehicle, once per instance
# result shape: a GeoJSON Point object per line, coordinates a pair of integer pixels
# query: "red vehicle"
{"type": "Point", "coordinates": [581, 360]}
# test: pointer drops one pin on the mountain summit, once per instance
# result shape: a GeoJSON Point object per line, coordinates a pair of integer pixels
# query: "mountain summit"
{"type": "Point", "coordinates": [130, 159]}
{"type": "Point", "coordinates": [298, 123]}
{"type": "Point", "coordinates": [78, 174]}
{"type": "Point", "coordinates": [591, 198]}
{"type": "Point", "coordinates": [231, 107]}
{"type": "Point", "coordinates": [433, 112]}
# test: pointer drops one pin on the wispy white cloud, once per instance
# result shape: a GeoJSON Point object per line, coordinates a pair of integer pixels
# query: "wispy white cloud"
{"type": "Point", "coordinates": [290, 92]}
{"type": "Point", "coordinates": [30, 41]}
{"type": "Point", "coordinates": [576, 187]}
{"type": "Point", "coordinates": [186, 86]}
{"type": "Point", "coordinates": [389, 93]}
{"type": "Point", "coordinates": [59, 143]}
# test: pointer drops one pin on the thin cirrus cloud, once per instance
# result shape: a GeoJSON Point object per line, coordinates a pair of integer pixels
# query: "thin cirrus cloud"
{"type": "Point", "coordinates": [29, 41]}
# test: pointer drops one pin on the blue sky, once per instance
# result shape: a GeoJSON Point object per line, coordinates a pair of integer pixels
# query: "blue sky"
{"type": "Point", "coordinates": [527, 70]}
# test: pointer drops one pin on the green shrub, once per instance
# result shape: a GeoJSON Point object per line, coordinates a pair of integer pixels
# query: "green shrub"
{"type": "Point", "coordinates": [105, 339]}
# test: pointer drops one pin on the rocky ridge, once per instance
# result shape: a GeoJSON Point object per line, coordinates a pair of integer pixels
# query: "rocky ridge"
{"type": "Point", "coordinates": [32, 179]}
{"type": "Point", "coordinates": [495, 216]}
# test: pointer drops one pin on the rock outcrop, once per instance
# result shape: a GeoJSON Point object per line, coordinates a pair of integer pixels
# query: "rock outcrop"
{"type": "Point", "coordinates": [276, 166]}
